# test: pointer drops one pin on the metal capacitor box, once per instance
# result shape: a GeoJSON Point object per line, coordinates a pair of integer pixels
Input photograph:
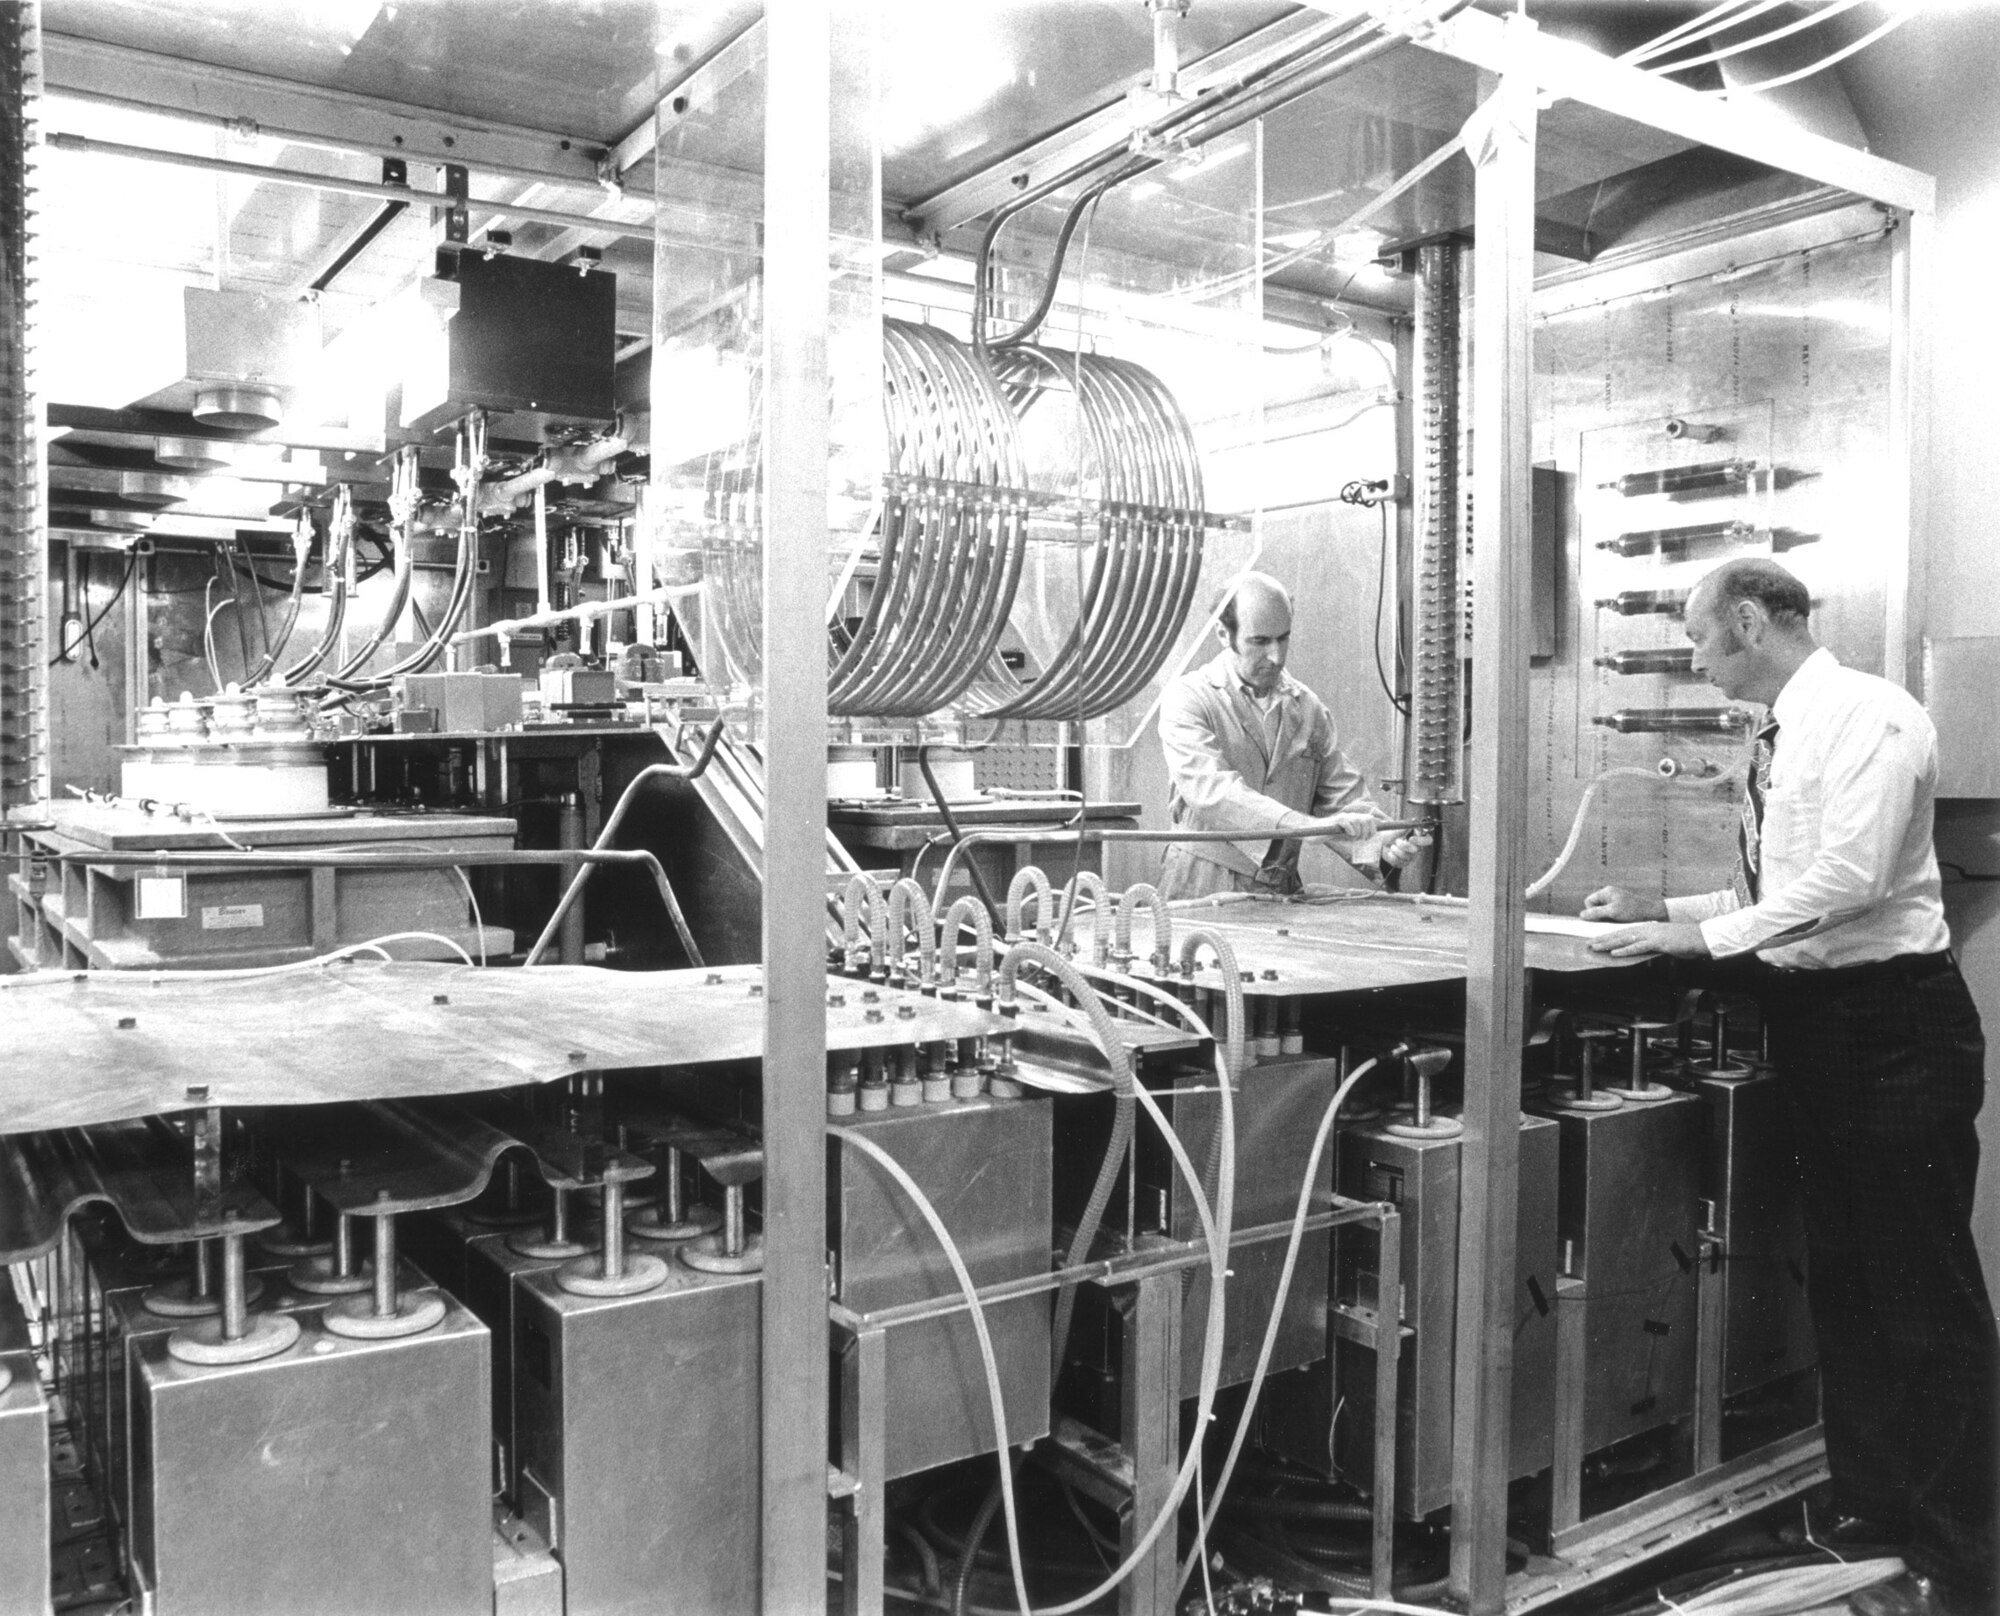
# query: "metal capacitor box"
{"type": "Point", "coordinates": [479, 1268]}
{"type": "Point", "coordinates": [338, 1476]}
{"type": "Point", "coordinates": [636, 1418]}
{"type": "Point", "coordinates": [1422, 1178]}
{"type": "Point", "coordinates": [1278, 1107]}
{"type": "Point", "coordinates": [985, 1165]}
{"type": "Point", "coordinates": [24, 1466]}
{"type": "Point", "coordinates": [1752, 1179]}
{"type": "Point", "coordinates": [1631, 1186]}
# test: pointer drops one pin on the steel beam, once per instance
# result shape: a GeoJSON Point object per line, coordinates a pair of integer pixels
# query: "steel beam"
{"type": "Point", "coordinates": [1574, 72]}
{"type": "Point", "coordinates": [310, 114]}
{"type": "Point", "coordinates": [690, 92]}
{"type": "Point", "coordinates": [1905, 561]}
{"type": "Point", "coordinates": [1500, 139]}
{"type": "Point", "coordinates": [1108, 129]}
{"type": "Point", "coordinates": [797, 156]}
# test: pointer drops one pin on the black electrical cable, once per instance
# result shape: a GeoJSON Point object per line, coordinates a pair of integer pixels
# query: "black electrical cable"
{"type": "Point", "coordinates": [1964, 874]}
{"type": "Point", "coordinates": [951, 826]}
{"type": "Point", "coordinates": [1400, 703]}
{"type": "Point", "coordinates": [90, 626]}
{"type": "Point", "coordinates": [89, 629]}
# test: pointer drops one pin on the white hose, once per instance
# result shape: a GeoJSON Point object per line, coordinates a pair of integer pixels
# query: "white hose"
{"type": "Point", "coordinates": [40, 979]}
{"type": "Point", "coordinates": [963, 1275]}
{"type": "Point", "coordinates": [1278, 1305]}
{"type": "Point", "coordinates": [1548, 877]}
{"type": "Point", "coordinates": [1216, 1228]}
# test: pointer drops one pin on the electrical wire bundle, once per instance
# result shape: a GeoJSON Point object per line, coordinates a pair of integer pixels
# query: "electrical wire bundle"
{"type": "Point", "coordinates": [953, 532]}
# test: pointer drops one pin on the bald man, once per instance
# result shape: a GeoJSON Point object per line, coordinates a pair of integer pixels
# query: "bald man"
{"type": "Point", "coordinates": [1249, 748]}
{"type": "Point", "coordinates": [1880, 1059]}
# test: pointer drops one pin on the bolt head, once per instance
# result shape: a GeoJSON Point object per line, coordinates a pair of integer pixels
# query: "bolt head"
{"type": "Point", "coordinates": [715, 979]}
{"type": "Point", "coordinates": [906, 1012]}
{"type": "Point", "coordinates": [836, 1001]}
{"type": "Point", "coordinates": [870, 996]}
{"type": "Point", "coordinates": [872, 1015]}
{"type": "Point", "coordinates": [440, 998]}
{"type": "Point", "coordinates": [127, 1023]}
{"type": "Point", "coordinates": [576, 1055]}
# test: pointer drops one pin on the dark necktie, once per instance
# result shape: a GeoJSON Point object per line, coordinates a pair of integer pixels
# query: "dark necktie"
{"type": "Point", "coordinates": [1750, 829]}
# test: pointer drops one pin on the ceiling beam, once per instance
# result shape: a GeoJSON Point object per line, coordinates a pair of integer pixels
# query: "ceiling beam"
{"type": "Point", "coordinates": [309, 114]}
{"type": "Point", "coordinates": [1110, 127]}
{"type": "Point", "coordinates": [694, 89]}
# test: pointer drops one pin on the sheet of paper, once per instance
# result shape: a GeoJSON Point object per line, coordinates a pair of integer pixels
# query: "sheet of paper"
{"type": "Point", "coordinates": [1569, 926]}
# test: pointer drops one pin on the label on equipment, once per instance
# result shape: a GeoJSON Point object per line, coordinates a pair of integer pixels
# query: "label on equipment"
{"type": "Point", "coordinates": [162, 897]}
{"type": "Point", "coordinates": [232, 916]}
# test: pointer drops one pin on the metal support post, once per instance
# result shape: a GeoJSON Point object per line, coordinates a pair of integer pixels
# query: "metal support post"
{"type": "Point", "coordinates": [1388, 1363]}
{"type": "Point", "coordinates": [1566, 1473]}
{"type": "Point", "coordinates": [797, 152]}
{"type": "Point", "coordinates": [1150, 1431]}
{"type": "Point", "coordinates": [1711, 1290]}
{"type": "Point", "coordinates": [864, 1393]}
{"type": "Point", "coordinates": [1500, 139]}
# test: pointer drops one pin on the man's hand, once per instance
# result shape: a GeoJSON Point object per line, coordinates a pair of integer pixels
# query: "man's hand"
{"type": "Point", "coordinates": [1682, 939]}
{"type": "Point", "coordinates": [1396, 854]}
{"type": "Point", "coordinates": [1616, 903]}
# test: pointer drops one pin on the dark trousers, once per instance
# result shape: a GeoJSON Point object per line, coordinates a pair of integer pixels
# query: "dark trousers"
{"type": "Point", "coordinates": [1883, 1070]}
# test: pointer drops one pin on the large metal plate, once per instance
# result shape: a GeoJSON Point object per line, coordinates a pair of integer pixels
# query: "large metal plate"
{"type": "Point", "coordinates": [134, 1045]}
{"type": "Point", "coordinates": [142, 1168]}
{"type": "Point", "coordinates": [1356, 942]}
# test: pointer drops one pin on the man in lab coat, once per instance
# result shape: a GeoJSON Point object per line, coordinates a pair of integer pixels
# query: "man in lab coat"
{"type": "Point", "coordinates": [1250, 749]}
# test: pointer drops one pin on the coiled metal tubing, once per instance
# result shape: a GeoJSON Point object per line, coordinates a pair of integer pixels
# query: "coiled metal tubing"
{"type": "Point", "coordinates": [1147, 560]}
{"type": "Point", "coordinates": [953, 533]}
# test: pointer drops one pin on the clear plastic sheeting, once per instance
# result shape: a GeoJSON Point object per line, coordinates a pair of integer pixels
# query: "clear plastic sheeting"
{"type": "Point", "coordinates": [709, 398]}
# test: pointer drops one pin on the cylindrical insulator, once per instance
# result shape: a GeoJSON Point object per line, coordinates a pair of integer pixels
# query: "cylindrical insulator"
{"type": "Point", "coordinates": [1651, 659]}
{"type": "Point", "coordinates": [1676, 720]}
{"type": "Point", "coordinates": [1641, 602]}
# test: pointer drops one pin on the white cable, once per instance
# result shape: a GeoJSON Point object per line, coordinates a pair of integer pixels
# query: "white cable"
{"type": "Point", "coordinates": [1895, 21]}
{"type": "Point", "coordinates": [963, 1275]}
{"type": "Point", "coordinates": [1216, 1227]}
{"type": "Point", "coordinates": [42, 979]}
{"type": "Point", "coordinates": [1547, 878]}
{"type": "Point", "coordinates": [1709, 23]}
{"type": "Point", "coordinates": [1832, 9]}
{"type": "Point", "coordinates": [1270, 1341]}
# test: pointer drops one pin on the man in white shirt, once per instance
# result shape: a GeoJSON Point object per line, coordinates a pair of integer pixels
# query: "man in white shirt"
{"type": "Point", "coordinates": [1250, 749]}
{"type": "Point", "coordinates": [1880, 1055]}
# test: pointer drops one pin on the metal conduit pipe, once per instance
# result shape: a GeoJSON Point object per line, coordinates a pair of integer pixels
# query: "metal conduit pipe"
{"type": "Point", "coordinates": [982, 927]}
{"type": "Point", "coordinates": [857, 909]}
{"type": "Point", "coordinates": [672, 771]}
{"type": "Point", "coordinates": [339, 550]}
{"type": "Point", "coordinates": [302, 537]}
{"type": "Point", "coordinates": [1145, 894]}
{"type": "Point", "coordinates": [403, 513]}
{"type": "Point", "coordinates": [1028, 878]}
{"type": "Point", "coordinates": [342, 187]}
{"type": "Point", "coordinates": [905, 897]}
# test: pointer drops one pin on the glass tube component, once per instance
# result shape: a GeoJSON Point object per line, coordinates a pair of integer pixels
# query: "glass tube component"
{"type": "Point", "coordinates": [1661, 540]}
{"type": "Point", "coordinates": [1653, 659]}
{"type": "Point", "coordinates": [1640, 602]}
{"type": "Point", "coordinates": [1706, 477]}
{"type": "Point", "coordinates": [1437, 695]}
{"type": "Point", "coordinates": [1676, 720]}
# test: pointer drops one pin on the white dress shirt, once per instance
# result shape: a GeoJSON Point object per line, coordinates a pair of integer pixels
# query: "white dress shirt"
{"type": "Point", "coordinates": [1846, 872]}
